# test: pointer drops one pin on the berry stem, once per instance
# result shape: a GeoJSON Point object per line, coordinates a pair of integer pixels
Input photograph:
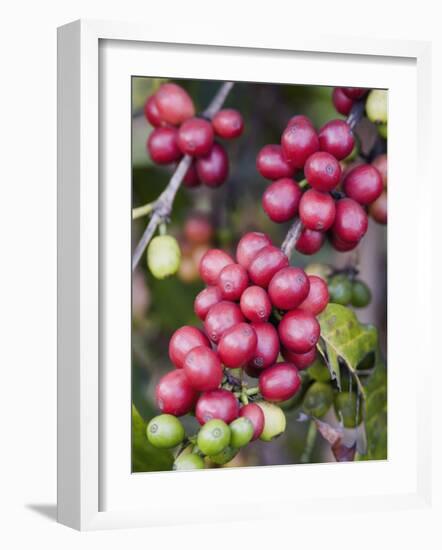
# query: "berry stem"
{"type": "Point", "coordinates": [309, 443]}
{"type": "Point", "coordinates": [252, 391]}
{"type": "Point", "coordinates": [162, 207]}
{"type": "Point", "coordinates": [143, 210]}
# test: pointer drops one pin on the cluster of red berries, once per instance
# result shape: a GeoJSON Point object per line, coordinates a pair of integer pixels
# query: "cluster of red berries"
{"type": "Point", "coordinates": [178, 131]}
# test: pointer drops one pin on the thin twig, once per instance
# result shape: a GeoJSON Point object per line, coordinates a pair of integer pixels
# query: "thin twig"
{"type": "Point", "coordinates": [356, 113]}
{"type": "Point", "coordinates": [163, 205]}
{"type": "Point", "coordinates": [292, 237]}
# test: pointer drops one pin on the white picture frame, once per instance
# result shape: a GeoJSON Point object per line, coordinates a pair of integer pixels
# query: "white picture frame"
{"type": "Point", "coordinates": [95, 487]}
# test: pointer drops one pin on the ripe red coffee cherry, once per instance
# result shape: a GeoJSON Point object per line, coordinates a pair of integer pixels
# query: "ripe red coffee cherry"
{"type": "Point", "coordinates": [254, 413]}
{"type": "Point", "coordinates": [336, 138]}
{"type": "Point", "coordinates": [191, 178]}
{"type": "Point", "coordinates": [213, 168]}
{"type": "Point", "coordinates": [297, 119]}
{"type": "Point", "coordinates": [162, 145]}
{"type": "Point", "coordinates": [211, 265]}
{"type": "Point", "coordinates": [271, 163]}
{"type": "Point", "coordinates": [310, 241]}
{"type": "Point", "coordinates": [183, 340]}
{"type": "Point", "coordinates": [281, 199]}
{"type": "Point", "coordinates": [363, 184]}
{"type": "Point", "coordinates": [151, 112]}
{"type": "Point", "coordinates": [288, 288]}
{"type": "Point", "coordinates": [174, 104]}
{"type": "Point", "coordinates": [207, 298]}
{"type": "Point", "coordinates": [237, 345]}
{"type": "Point", "coordinates": [298, 142]}
{"type": "Point", "coordinates": [220, 318]}
{"type": "Point", "coordinates": [322, 171]}
{"type": "Point", "coordinates": [217, 404]}
{"type": "Point", "coordinates": [341, 101]}
{"type": "Point", "coordinates": [249, 246]}
{"type": "Point", "coordinates": [266, 263]}
{"type": "Point", "coordinates": [299, 331]}
{"type": "Point", "coordinates": [378, 209]}
{"type": "Point", "coordinates": [317, 210]}
{"type": "Point", "coordinates": [203, 369]}
{"type": "Point", "coordinates": [354, 93]}
{"type": "Point", "coordinates": [195, 137]}
{"type": "Point", "coordinates": [232, 281]}
{"type": "Point", "coordinates": [300, 360]}
{"type": "Point", "coordinates": [267, 346]}
{"type": "Point", "coordinates": [381, 164]}
{"type": "Point", "coordinates": [340, 245]}
{"type": "Point", "coordinates": [198, 229]}
{"type": "Point", "coordinates": [255, 304]}
{"type": "Point", "coordinates": [279, 382]}
{"type": "Point", "coordinates": [174, 395]}
{"type": "Point", "coordinates": [317, 298]}
{"type": "Point", "coordinates": [253, 372]}
{"type": "Point", "coordinates": [228, 123]}
{"type": "Point", "coordinates": [351, 221]}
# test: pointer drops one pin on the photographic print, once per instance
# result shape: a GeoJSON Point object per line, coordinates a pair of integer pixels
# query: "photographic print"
{"type": "Point", "coordinates": [259, 274]}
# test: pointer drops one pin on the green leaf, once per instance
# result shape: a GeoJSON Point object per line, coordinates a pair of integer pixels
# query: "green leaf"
{"type": "Point", "coordinates": [145, 457]}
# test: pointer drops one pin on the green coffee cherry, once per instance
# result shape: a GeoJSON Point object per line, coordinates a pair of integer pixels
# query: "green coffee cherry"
{"type": "Point", "coordinates": [188, 461]}
{"type": "Point", "coordinates": [225, 456]}
{"type": "Point", "coordinates": [340, 290]}
{"type": "Point", "coordinates": [346, 405]}
{"type": "Point", "coordinates": [383, 130]}
{"type": "Point", "coordinates": [165, 431]}
{"type": "Point", "coordinates": [163, 256]}
{"type": "Point", "coordinates": [377, 106]}
{"type": "Point", "coordinates": [320, 270]}
{"type": "Point", "coordinates": [274, 421]}
{"type": "Point", "coordinates": [318, 399]}
{"type": "Point", "coordinates": [241, 432]}
{"type": "Point", "coordinates": [213, 437]}
{"type": "Point", "coordinates": [360, 294]}
{"type": "Point", "coordinates": [319, 371]}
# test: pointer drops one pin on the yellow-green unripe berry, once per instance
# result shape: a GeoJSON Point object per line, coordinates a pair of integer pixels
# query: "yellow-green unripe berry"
{"type": "Point", "coordinates": [318, 399]}
{"type": "Point", "coordinates": [274, 421]}
{"type": "Point", "coordinates": [377, 106]}
{"type": "Point", "coordinates": [319, 371]}
{"type": "Point", "coordinates": [383, 130]}
{"type": "Point", "coordinates": [163, 256]}
{"type": "Point", "coordinates": [213, 437]}
{"type": "Point", "coordinates": [188, 461]}
{"type": "Point", "coordinates": [339, 288]}
{"type": "Point", "coordinates": [347, 409]}
{"type": "Point", "coordinates": [241, 432]}
{"type": "Point", "coordinates": [320, 270]}
{"type": "Point", "coordinates": [225, 456]}
{"type": "Point", "coordinates": [165, 431]}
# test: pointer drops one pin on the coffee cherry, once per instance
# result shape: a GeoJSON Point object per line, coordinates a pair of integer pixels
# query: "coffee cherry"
{"type": "Point", "coordinates": [381, 165]}
{"type": "Point", "coordinates": [198, 229]}
{"type": "Point", "coordinates": [299, 140]}
{"type": "Point", "coordinates": [355, 93]}
{"type": "Point", "coordinates": [363, 184]}
{"type": "Point", "coordinates": [318, 296]}
{"type": "Point", "coordinates": [378, 209]}
{"type": "Point", "coordinates": [266, 263]}
{"type": "Point", "coordinates": [191, 178]}
{"type": "Point", "coordinates": [211, 265]}
{"type": "Point", "coordinates": [228, 123]}
{"type": "Point", "coordinates": [254, 413]}
{"type": "Point", "coordinates": [174, 395]}
{"type": "Point", "coordinates": [242, 431]}
{"type": "Point", "coordinates": [252, 371]}
{"type": "Point", "coordinates": [288, 288]}
{"type": "Point", "coordinates": [322, 171]}
{"type": "Point", "coordinates": [341, 101]}
{"type": "Point", "coordinates": [360, 294]}
{"type": "Point", "coordinates": [281, 199]}
{"type": "Point", "coordinates": [274, 421]}
{"type": "Point", "coordinates": [183, 340]}
{"type": "Point", "coordinates": [225, 456]}
{"type": "Point", "coordinates": [232, 281]}
{"type": "Point", "coordinates": [336, 138]}
{"type": "Point", "coordinates": [279, 382]}
{"type": "Point", "coordinates": [237, 345]}
{"type": "Point", "coordinates": [319, 270]}
{"type": "Point", "coordinates": [255, 304]}
{"type": "Point", "coordinates": [347, 410]}
{"type": "Point", "coordinates": [319, 371]}
{"type": "Point", "coordinates": [213, 168]}
{"type": "Point", "coordinates": [213, 437]}
{"type": "Point", "coordinates": [340, 290]}
{"type": "Point", "coordinates": [351, 222]}
{"type": "Point", "coordinates": [267, 346]}
{"type": "Point", "coordinates": [318, 399]}
{"type": "Point", "coordinates": [195, 137]}
{"type": "Point", "coordinates": [299, 119]}
{"type": "Point", "coordinates": [162, 145]}
{"type": "Point", "coordinates": [383, 130]}
{"type": "Point", "coordinates": [163, 256]}
{"type": "Point", "coordinates": [151, 112]}
{"type": "Point", "coordinates": [165, 431]}
{"type": "Point", "coordinates": [188, 461]}
{"type": "Point", "coordinates": [376, 106]}
{"type": "Point", "coordinates": [317, 210]}
{"type": "Point", "coordinates": [299, 331]}
{"type": "Point", "coordinates": [207, 298]}
{"type": "Point", "coordinates": [220, 318]}
{"type": "Point", "coordinates": [271, 164]}
{"type": "Point", "coordinates": [220, 404]}
{"type": "Point", "coordinates": [249, 246]}
{"type": "Point", "coordinates": [341, 245]}
{"type": "Point", "coordinates": [203, 369]}
{"type": "Point", "coordinates": [300, 360]}
{"type": "Point", "coordinates": [174, 104]}
{"type": "Point", "coordinates": [310, 241]}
